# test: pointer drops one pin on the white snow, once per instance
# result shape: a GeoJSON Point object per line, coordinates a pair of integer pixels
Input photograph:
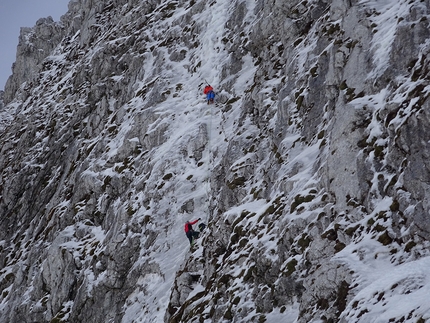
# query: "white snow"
{"type": "Point", "coordinates": [387, 287]}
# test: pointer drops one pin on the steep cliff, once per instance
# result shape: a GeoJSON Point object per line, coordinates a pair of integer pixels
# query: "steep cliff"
{"type": "Point", "coordinates": [311, 170]}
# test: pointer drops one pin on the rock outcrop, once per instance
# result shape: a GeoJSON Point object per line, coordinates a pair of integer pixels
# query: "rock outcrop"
{"type": "Point", "coordinates": [311, 170]}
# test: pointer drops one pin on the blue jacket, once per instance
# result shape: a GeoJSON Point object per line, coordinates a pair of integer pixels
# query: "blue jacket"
{"type": "Point", "coordinates": [210, 95]}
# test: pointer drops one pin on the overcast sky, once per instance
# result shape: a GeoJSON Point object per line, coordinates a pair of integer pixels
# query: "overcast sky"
{"type": "Point", "coordinates": [15, 14]}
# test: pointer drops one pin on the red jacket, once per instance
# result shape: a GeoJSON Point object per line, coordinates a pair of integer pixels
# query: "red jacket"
{"type": "Point", "coordinates": [207, 89]}
{"type": "Point", "coordinates": [188, 225]}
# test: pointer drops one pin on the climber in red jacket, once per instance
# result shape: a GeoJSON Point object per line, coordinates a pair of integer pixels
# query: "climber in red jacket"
{"type": "Point", "coordinates": [210, 94]}
{"type": "Point", "coordinates": [189, 231]}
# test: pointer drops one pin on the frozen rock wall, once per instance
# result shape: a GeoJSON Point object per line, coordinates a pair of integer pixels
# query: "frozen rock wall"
{"type": "Point", "coordinates": [311, 170]}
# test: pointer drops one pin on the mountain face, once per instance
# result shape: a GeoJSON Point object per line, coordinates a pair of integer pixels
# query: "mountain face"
{"type": "Point", "coordinates": [311, 170]}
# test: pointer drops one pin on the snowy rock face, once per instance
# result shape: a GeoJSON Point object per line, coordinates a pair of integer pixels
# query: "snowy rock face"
{"type": "Point", "coordinates": [35, 44]}
{"type": "Point", "coordinates": [311, 170]}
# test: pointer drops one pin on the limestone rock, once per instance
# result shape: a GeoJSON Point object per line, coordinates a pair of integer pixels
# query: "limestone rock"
{"type": "Point", "coordinates": [311, 167]}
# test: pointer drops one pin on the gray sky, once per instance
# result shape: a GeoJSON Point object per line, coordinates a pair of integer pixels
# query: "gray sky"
{"type": "Point", "coordinates": [15, 14]}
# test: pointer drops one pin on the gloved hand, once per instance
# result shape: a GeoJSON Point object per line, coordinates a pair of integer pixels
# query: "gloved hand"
{"type": "Point", "coordinates": [199, 219]}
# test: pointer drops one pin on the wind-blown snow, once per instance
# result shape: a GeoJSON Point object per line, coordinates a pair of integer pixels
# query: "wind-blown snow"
{"type": "Point", "coordinates": [386, 282]}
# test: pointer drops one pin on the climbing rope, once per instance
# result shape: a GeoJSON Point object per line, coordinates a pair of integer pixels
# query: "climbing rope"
{"type": "Point", "coordinates": [209, 163]}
